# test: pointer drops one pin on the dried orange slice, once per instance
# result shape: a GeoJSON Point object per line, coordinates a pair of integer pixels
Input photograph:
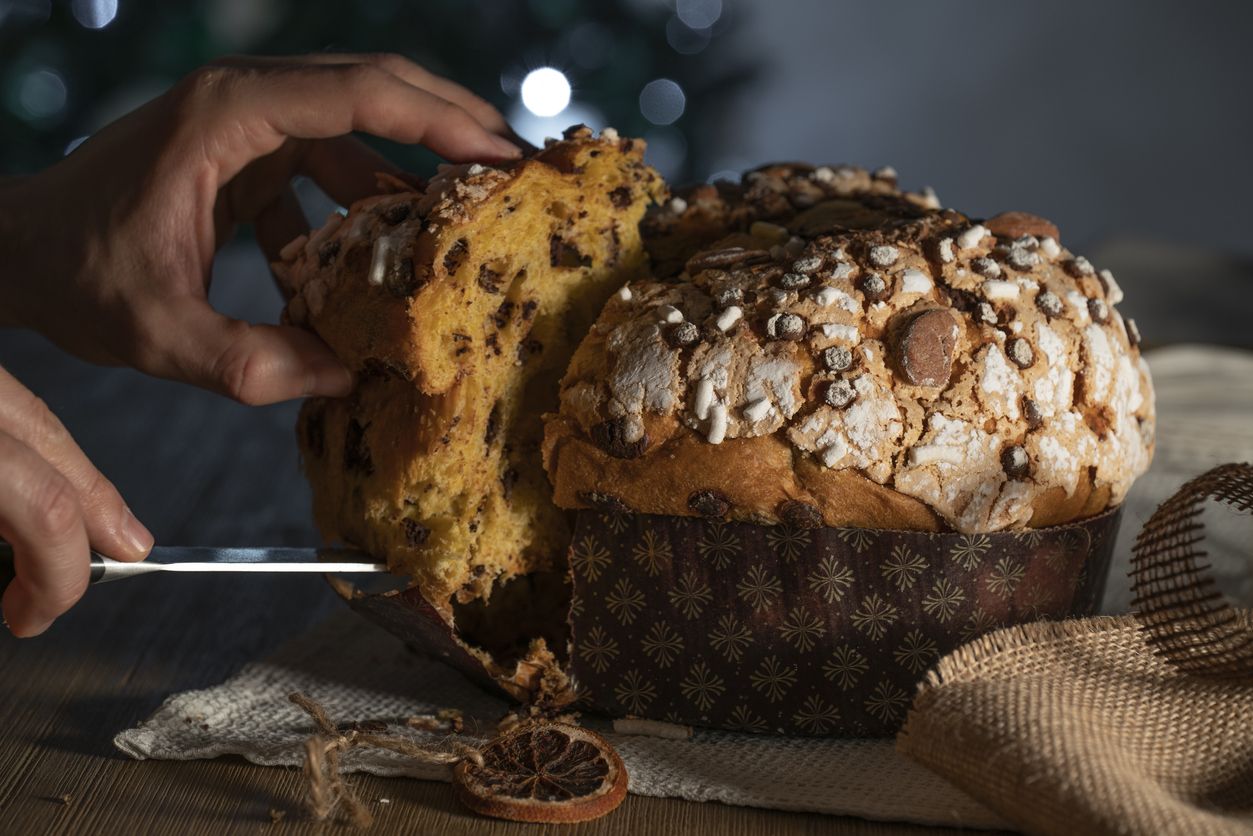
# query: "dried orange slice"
{"type": "Point", "coordinates": [544, 772]}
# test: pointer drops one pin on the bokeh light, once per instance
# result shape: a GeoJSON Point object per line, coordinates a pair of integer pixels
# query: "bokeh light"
{"type": "Point", "coordinates": [546, 91]}
{"type": "Point", "coordinates": [535, 128]}
{"type": "Point", "coordinates": [662, 101]}
{"type": "Point", "coordinates": [699, 14]}
{"type": "Point", "coordinates": [74, 143]}
{"type": "Point", "coordinates": [94, 14]}
{"type": "Point", "coordinates": [41, 94]}
{"type": "Point", "coordinates": [685, 40]}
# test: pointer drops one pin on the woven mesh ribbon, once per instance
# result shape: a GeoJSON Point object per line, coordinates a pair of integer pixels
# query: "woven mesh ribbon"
{"type": "Point", "coordinates": [1132, 724]}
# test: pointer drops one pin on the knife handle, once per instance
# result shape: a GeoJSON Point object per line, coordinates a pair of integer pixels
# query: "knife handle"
{"type": "Point", "coordinates": [8, 569]}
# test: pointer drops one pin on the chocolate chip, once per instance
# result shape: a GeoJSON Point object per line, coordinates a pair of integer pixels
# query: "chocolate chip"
{"type": "Point", "coordinates": [356, 453]}
{"type": "Point", "coordinates": [577, 131]}
{"type": "Point", "coordinates": [839, 393]}
{"type": "Point", "coordinates": [925, 347]}
{"type": "Point", "coordinates": [489, 279]}
{"type": "Point", "coordinates": [1020, 351]}
{"type": "Point", "coordinates": [620, 197]}
{"type": "Point", "coordinates": [503, 314]}
{"type": "Point", "coordinates": [797, 514]}
{"type": "Point", "coordinates": [396, 213]}
{"type": "Point", "coordinates": [493, 425]}
{"type": "Point", "coordinates": [1133, 332]}
{"type": "Point", "coordinates": [785, 326]}
{"type": "Point", "coordinates": [725, 297]}
{"type": "Point", "coordinates": [709, 503]}
{"type": "Point", "coordinates": [528, 348]}
{"type": "Point", "coordinates": [986, 314]}
{"type": "Point", "coordinates": [327, 252]}
{"type": "Point", "coordinates": [611, 435]}
{"type": "Point", "coordinates": [1018, 224]}
{"type": "Point", "coordinates": [561, 253]}
{"type": "Point", "coordinates": [794, 281]}
{"type": "Point", "coordinates": [1048, 302]}
{"type": "Point", "coordinates": [1022, 259]}
{"type": "Point", "coordinates": [837, 358]}
{"type": "Point", "coordinates": [604, 501]}
{"type": "Point", "coordinates": [985, 267]}
{"type": "Point", "coordinates": [682, 335]}
{"type": "Point", "coordinates": [874, 288]}
{"type": "Point", "coordinates": [416, 533]}
{"type": "Point", "coordinates": [400, 279]}
{"type": "Point", "coordinates": [1078, 267]}
{"type": "Point", "coordinates": [1099, 310]}
{"type": "Point", "coordinates": [1031, 411]}
{"type": "Point", "coordinates": [456, 256]}
{"type": "Point", "coordinates": [1014, 461]}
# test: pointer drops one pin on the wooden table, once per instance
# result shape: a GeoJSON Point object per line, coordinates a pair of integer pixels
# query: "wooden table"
{"type": "Point", "coordinates": [202, 471]}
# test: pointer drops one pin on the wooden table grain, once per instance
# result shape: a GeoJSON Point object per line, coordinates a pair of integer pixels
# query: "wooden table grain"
{"type": "Point", "coordinates": [202, 471]}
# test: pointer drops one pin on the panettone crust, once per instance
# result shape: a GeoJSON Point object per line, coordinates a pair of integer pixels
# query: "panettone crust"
{"type": "Point", "coordinates": [861, 358]}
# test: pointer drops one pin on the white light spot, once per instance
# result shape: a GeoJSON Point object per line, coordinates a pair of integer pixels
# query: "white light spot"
{"type": "Point", "coordinates": [41, 93]}
{"type": "Point", "coordinates": [699, 14]}
{"type": "Point", "coordinates": [685, 40]}
{"type": "Point", "coordinates": [545, 92]}
{"type": "Point", "coordinates": [74, 143]}
{"type": "Point", "coordinates": [94, 14]}
{"type": "Point", "coordinates": [662, 101]}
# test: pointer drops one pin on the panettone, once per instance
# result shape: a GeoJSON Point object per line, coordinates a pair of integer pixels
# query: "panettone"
{"type": "Point", "coordinates": [837, 353]}
{"type": "Point", "coordinates": [458, 308]}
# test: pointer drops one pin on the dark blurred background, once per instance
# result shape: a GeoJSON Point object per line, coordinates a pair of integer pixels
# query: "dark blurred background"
{"type": "Point", "coordinates": [1112, 118]}
{"type": "Point", "coordinates": [1128, 123]}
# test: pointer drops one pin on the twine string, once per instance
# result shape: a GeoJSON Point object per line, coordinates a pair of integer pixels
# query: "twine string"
{"type": "Point", "coordinates": [1186, 619]}
{"type": "Point", "coordinates": [328, 794]}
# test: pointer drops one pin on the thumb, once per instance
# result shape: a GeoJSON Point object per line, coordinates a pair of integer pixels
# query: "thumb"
{"type": "Point", "coordinates": [253, 364]}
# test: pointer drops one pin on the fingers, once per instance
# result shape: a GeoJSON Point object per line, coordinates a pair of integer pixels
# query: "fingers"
{"type": "Point", "coordinates": [253, 364]}
{"type": "Point", "coordinates": [41, 518]}
{"type": "Point", "coordinates": [254, 111]}
{"type": "Point", "coordinates": [404, 69]}
{"type": "Point", "coordinates": [344, 168]}
{"type": "Point", "coordinates": [278, 223]}
{"type": "Point", "coordinates": [111, 527]}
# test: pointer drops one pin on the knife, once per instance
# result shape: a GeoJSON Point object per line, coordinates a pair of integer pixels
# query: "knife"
{"type": "Point", "coordinates": [200, 559]}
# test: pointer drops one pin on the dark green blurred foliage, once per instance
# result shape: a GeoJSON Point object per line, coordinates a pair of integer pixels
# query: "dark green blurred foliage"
{"type": "Point", "coordinates": [609, 49]}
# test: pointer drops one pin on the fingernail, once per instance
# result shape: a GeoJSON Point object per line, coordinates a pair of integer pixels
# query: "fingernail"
{"type": "Point", "coordinates": [506, 148]}
{"type": "Point", "coordinates": [331, 380]}
{"type": "Point", "coordinates": [138, 537]}
{"type": "Point", "coordinates": [29, 631]}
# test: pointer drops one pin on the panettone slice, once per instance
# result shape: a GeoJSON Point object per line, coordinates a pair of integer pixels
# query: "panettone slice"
{"type": "Point", "coordinates": [458, 308]}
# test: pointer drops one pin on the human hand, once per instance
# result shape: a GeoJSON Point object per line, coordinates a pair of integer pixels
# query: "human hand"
{"type": "Point", "coordinates": [53, 505]}
{"type": "Point", "coordinates": [109, 252]}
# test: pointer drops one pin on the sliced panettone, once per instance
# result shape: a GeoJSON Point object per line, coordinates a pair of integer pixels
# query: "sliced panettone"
{"type": "Point", "coordinates": [458, 308]}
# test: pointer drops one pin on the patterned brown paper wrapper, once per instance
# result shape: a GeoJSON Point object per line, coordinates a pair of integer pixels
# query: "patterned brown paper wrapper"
{"type": "Point", "coordinates": [823, 631]}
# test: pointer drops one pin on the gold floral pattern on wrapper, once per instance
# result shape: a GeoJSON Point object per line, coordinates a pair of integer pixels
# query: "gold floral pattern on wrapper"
{"type": "Point", "coordinates": [823, 631]}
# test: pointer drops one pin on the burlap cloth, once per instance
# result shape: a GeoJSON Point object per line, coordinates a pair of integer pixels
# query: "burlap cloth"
{"type": "Point", "coordinates": [1074, 727]}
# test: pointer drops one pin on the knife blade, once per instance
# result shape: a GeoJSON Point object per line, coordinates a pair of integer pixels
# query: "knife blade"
{"type": "Point", "coordinates": [199, 559]}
